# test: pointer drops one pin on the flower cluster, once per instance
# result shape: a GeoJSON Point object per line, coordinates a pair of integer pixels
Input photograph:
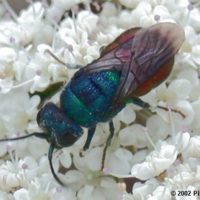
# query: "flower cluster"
{"type": "Point", "coordinates": [158, 150]}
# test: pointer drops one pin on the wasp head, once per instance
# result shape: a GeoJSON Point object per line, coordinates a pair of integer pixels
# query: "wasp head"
{"type": "Point", "coordinates": [62, 132]}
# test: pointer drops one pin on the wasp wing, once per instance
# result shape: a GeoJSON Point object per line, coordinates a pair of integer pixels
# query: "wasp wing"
{"type": "Point", "coordinates": [152, 55]}
{"type": "Point", "coordinates": [108, 59]}
{"type": "Point", "coordinates": [124, 37]}
{"type": "Point", "coordinates": [139, 54]}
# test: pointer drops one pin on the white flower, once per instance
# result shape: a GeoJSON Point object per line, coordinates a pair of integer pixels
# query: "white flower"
{"type": "Point", "coordinates": [160, 193]}
{"type": "Point", "coordinates": [182, 141]}
{"type": "Point", "coordinates": [194, 147]}
{"type": "Point", "coordinates": [196, 108]}
{"type": "Point", "coordinates": [125, 19]}
{"type": "Point", "coordinates": [5, 196]}
{"type": "Point", "coordinates": [40, 190]}
{"type": "Point", "coordinates": [26, 67]}
{"type": "Point", "coordinates": [146, 14]}
{"type": "Point", "coordinates": [32, 13]}
{"type": "Point", "coordinates": [157, 128]}
{"type": "Point", "coordinates": [87, 21]}
{"type": "Point", "coordinates": [118, 161]}
{"type": "Point", "coordinates": [109, 9]}
{"type": "Point", "coordinates": [194, 18]}
{"type": "Point", "coordinates": [141, 190]}
{"type": "Point", "coordinates": [65, 158]}
{"type": "Point", "coordinates": [182, 85]}
{"type": "Point", "coordinates": [192, 76]}
{"type": "Point", "coordinates": [156, 162]}
{"type": "Point", "coordinates": [14, 113]}
{"type": "Point", "coordinates": [133, 135]}
{"type": "Point", "coordinates": [88, 161]}
{"type": "Point", "coordinates": [139, 156]}
{"type": "Point", "coordinates": [58, 8]}
{"type": "Point", "coordinates": [103, 193]}
{"type": "Point", "coordinates": [7, 54]}
{"type": "Point", "coordinates": [127, 115]}
{"type": "Point", "coordinates": [186, 108]}
{"type": "Point", "coordinates": [17, 174]}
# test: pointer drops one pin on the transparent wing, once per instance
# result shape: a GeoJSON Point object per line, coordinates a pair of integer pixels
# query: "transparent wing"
{"type": "Point", "coordinates": [108, 59]}
{"type": "Point", "coordinates": [152, 53]}
{"type": "Point", "coordinates": [140, 54]}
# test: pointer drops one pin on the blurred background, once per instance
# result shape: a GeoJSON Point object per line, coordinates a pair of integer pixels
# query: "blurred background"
{"type": "Point", "coordinates": [17, 5]}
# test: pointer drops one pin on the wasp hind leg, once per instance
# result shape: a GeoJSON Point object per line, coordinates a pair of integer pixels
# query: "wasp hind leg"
{"type": "Point", "coordinates": [108, 143]}
{"type": "Point", "coordinates": [144, 105]}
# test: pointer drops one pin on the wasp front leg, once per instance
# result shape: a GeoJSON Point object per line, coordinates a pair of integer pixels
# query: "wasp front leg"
{"type": "Point", "coordinates": [68, 65]}
{"type": "Point", "coordinates": [90, 135]}
{"type": "Point", "coordinates": [49, 92]}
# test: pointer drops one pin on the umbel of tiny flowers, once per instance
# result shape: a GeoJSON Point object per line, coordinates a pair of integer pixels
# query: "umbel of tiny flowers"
{"type": "Point", "coordinates": [165, 147]}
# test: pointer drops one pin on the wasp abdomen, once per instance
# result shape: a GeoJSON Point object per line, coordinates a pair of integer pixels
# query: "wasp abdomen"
{"type": "Point", "coordinates": [88, 97]}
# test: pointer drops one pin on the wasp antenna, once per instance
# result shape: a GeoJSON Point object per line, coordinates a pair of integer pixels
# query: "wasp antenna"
{"type": "Point", "coordinates": [69, 66]}
{"type": "Point", "coordinates": [39, 135]}
{"type": "Point", "coordinates": [50, 156]}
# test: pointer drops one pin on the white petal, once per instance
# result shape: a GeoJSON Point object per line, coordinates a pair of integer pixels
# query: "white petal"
{"type": "Point", "coordinates": [162, 192]}
{"type": "Point", "coordinates": [108, 9]}
{"type": "Point", "coordinates": [119, 161]}
{"type": "Point", "coordinates": [91, 160]}
{"type": "Point", "coordinates": [155, 163]}
{"type": "Point", "coordinates": [65, 159]}
{"type": "Point", "coordinates": [157, 128]}
{"type": "Point", "coordinates": [22, 194]}
{"type": "Point", "coordinates": [139, 156]}
{"type": "Point", "coordinates": [86, 192]}
{"type": "Point", "coordinates": [196, 108]}
{"type": "Point", "coordinates": [143, 171]}
{"type": "Point", "coordinates": [143, 189]}
{"type": "Point", "coordinates": [180, 87]}
{"type": "Point", "coordinates": [127, 115]}
{"type": "Point", "coordinates": [87, 21]}
{"type": "Point", "coordinates": [7, 54]}
{"type": "Point", "coordinates": [186, 108]}
{"type": "Point", "coordinates": [74, 176]}
{"type": "Point", "coordinates": [182, 141]}
{"type": "Point", "coordinates": [167, 155]}
{"type": "Point", "coordinates": [194, 146]}
{"type": "Point", "coordinates": [133, 135]}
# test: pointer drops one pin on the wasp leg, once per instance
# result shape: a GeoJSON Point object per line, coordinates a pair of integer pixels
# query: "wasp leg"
{"type": "Point", "coordinates": [90, 135]}
{"type": "Point", "coordinates": [49, 92]}
{"type": "Point", "coordinates": [69, 66]}
{"type": "Point", "coordinates": [108, 142]}
{"type": "Point", "coordinates": [139, 102]}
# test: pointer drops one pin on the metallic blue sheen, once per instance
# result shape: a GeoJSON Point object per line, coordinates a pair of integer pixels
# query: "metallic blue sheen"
{"type": "Point", "coordinates": [87, 99]}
